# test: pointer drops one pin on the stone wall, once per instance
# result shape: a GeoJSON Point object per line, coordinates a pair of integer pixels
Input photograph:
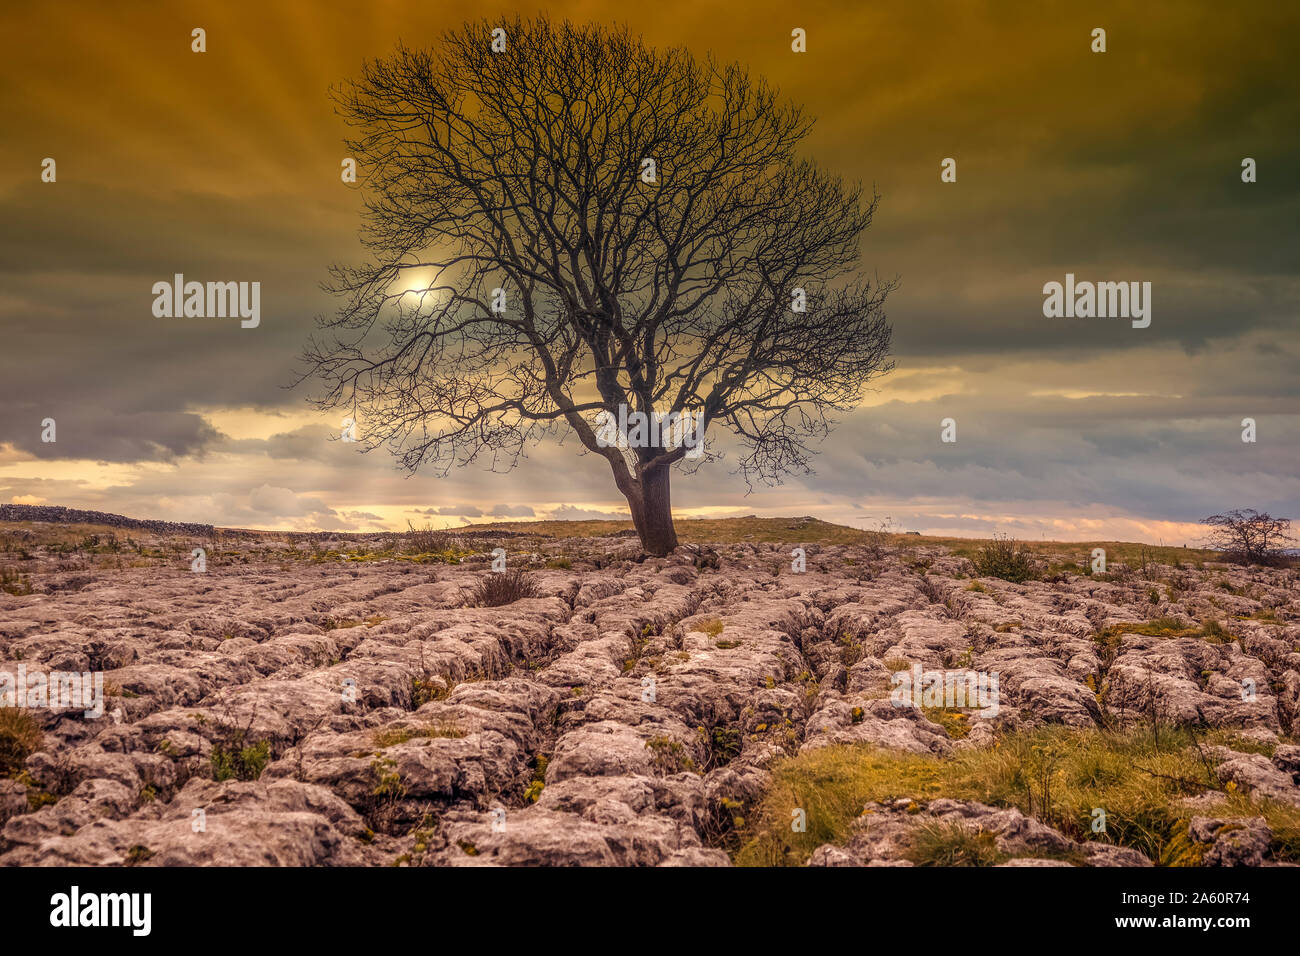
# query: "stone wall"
{"type": "Point", "coordinates": [58, 515]}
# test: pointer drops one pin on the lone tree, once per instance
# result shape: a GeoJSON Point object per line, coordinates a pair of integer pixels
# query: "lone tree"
{"type": "Point", "coordinates": [1249, 536]}
{"type": "Point", "coordinates": [562, 222]}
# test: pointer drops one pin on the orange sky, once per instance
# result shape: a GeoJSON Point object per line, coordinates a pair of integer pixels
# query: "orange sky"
{"type": "Point", "coordinates": [1123, 165]}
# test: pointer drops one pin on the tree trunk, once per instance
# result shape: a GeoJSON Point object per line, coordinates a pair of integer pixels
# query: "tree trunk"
{"type": "Point", "coordinates": [652, 512]}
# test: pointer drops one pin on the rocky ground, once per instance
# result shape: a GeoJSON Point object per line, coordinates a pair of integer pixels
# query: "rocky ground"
{"type": "Point", "coordinates": [343, 702]}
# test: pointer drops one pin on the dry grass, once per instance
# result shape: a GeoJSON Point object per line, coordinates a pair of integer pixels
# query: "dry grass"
{"type": "Point", "coordinates": [1055, 774]}
{"type": "Point", "coordinates": [748, 529]}
{"type": "Point", "coordinates": [696, 530]}
{"type": "Point", "coordinates": [392, 736]}
{"type": "Point", "coordinates": [815, 531]}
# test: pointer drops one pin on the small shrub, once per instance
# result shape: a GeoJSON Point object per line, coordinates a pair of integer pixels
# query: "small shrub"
{"type": "Point", "coordinates": [1004, 558]}
{"type": "Point", "coordinates": [235, 755]}
{"type": "Point", "coordinates": [430, 687]}
{"type": "Point", "coordinates": [137, 854]}
{"type": "Point", "coordinates": [711, 626]}
{"type": "Point", "coordinates": [20, 737]}
{"type": "Point", "coordinates": [426, 540]}
{"type": "Point", "coordinates": [724, 745]}
{"type": "Point", "coordinates": [533, 792]}
{"type": "Point", "coordinates": [877, 540]}
{"type": "Point", "coordinates": [382, 808]}
{"type": "Point", "coordinates": [505, 587]}
{"type": "Point", "coordinates": [668, 756]}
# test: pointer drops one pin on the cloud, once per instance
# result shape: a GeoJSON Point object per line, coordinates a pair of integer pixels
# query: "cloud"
{"type": "Point", "coordinates": [572, 513]}
{"type": "Point", "coordinates": [281, 502]}
{"type": "Point", "coordinates": [85, 431]}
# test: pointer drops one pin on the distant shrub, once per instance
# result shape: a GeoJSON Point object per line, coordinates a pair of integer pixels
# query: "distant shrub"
{"type": "Point", "coordinates": [1005, 558]}
{"type": "Point", "coordinates": [1250, 536]}
{"type": "Point", "coordinates": [426, 540]}
{"type": "Point", "coordinates": [505, 587]}
{"type": "Point", "coordinates": [877, 540]}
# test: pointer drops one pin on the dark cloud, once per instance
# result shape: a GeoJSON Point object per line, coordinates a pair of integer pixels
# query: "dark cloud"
{"type": "Point", "coordinates": [87, 431]}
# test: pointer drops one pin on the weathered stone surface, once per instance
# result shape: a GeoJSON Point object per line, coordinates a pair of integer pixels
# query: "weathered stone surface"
{"type": "Point", "coordinates": [625, 714]}
{"type": "Point", "coordinates": [1232, 842]}
{"type": "Point", "coordinates": [884, 834]}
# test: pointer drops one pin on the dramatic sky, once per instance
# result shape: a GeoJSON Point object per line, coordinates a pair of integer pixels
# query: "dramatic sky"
{"type": "Point", "coordinates": [1117, 166]}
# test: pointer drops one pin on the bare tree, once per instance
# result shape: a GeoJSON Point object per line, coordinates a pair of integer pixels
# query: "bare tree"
{"type": "Point", "coordinates": [1249, 536]}
{"type": "Point", "coordinates": [577, 223]}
